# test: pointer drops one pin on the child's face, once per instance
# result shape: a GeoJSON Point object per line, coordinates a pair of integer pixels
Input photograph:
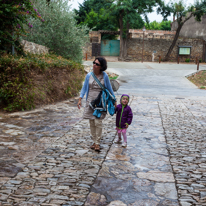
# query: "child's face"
{"type": "Point", "coordinates": [124, 100]}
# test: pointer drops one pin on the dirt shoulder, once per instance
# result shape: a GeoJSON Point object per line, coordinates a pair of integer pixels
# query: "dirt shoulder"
{"type": "Point", "coordinates": [199, 79]}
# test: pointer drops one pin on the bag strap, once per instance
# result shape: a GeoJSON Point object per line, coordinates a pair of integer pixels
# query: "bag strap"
{"type": "Point", "coordinates": [98, 82]}
{"type": "Point", "coordinates": [102, 87]}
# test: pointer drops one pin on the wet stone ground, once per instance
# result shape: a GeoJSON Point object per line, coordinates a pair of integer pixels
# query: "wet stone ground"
{"type": "Point", "coordinates": [184, 124]}
{"type": "Point", "coordinates": [45, 157]}
{"type": "Point", "coordinates": [141, 173]}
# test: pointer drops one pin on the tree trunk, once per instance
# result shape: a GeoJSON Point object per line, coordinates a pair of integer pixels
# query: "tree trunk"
{"type": "Point", "coordinates": [123, 41]}
{"type": "Point", "coordinates": [121, 53]}
{"type": "Point", "coordinates": [173, 43]}
{"type": "Point", "coordinates": [176, 37]}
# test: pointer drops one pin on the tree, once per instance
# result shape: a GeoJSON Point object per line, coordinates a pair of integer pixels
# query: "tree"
{"type": "Point", "coordinates": [13, 16]}
{"type": "Point", "coordinates": [126, 12]}
{"type": "Point", "coordinates": [101, 20]}
{"type": "Point", "coordinates": [164, 25]}
{"type": "Point", "coordinates": [183, 14]}
{"type": "Point", "coordinates": [88, 5]}
{"type": "Point", "coordinates": [60, 32]}
{"type": "Point", "coordinates": [96, 15]}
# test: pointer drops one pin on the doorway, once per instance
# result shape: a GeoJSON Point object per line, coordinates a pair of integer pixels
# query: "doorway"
{"type": "Point", "coordinates": [110, 47]}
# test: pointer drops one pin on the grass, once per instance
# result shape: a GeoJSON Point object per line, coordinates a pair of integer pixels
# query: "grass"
{"type": "Point", "coordinates": [199, 79]}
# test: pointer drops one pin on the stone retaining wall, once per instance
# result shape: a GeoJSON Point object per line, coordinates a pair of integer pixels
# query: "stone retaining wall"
{"type": "Point", "coordinates": [34, 48]}
{"type": "Point", "coordinates": [153, 48]}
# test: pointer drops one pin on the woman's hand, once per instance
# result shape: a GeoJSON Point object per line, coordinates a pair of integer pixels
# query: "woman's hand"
{"type": "Point", "coordinates": [79, 104]}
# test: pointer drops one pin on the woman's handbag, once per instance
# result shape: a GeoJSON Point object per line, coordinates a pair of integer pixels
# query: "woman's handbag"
{"type": "Point", "coordinates": [103, 99]}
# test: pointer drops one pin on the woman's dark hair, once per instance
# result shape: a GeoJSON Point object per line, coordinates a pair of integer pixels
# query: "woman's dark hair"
{"type": "Point", "coordinates": [103, 63]}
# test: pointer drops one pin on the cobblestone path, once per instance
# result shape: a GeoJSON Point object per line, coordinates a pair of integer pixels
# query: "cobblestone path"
{"type": "Point", "coordinates": [45, 157]}
{"type": "Point", "coordinates": [59, 175]}
{"type": "Point", "coordinates": [184, 124]}
{"type": "Point", "coordinates": [141, 174]}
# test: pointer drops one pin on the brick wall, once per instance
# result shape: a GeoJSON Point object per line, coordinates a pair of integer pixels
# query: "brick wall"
{"type": "Point", "coordinates": [155, 47]}
{"type": "Point", "coordinates": [137, 33]}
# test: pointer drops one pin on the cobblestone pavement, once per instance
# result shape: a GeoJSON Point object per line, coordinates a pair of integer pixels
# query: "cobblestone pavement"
{"type": "Point", "coordinates": [46, 159]}
{"type": "Point", "coordinates": [184, 124]}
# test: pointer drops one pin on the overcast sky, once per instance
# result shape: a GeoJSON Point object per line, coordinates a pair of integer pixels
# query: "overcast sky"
{"type": "Point", "coordinates": [152, 16]}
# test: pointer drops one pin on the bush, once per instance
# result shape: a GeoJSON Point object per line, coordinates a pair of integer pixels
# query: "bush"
{"type": "Point", "coordinates": [37, 79]}
{"type": "Point", "coordinates": [13, 18]}
{"type": "Point", "coordinates": [187, 60]}
{"type": "Point", "coordinates": [59, 32]}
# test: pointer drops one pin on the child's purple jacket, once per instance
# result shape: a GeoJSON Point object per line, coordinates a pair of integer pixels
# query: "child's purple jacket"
{"type": "Point", "coordinates": [123, 116]}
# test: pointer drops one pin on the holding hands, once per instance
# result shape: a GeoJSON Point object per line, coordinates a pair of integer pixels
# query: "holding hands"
{"type": "Point", "coordinates": [79, 104]}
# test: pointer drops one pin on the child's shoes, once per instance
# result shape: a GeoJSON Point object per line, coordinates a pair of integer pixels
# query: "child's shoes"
{"type": "Point", "coordinates": [117, 140]}
{"type": "Point", "coordinates": [124, 144]}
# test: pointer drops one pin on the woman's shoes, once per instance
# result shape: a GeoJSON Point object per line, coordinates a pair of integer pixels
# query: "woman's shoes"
{"type": "Point", "coordinates": [93, 146]}
{"type": "Point", "coordinates": [97, 147]}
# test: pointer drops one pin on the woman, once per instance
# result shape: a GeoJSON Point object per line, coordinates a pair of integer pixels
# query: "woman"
{"type": "Point", "coordinates": [92, 89]}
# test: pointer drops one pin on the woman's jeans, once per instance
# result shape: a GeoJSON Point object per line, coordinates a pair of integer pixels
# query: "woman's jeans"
{"type": "Point", "coordinates": [96, 130]}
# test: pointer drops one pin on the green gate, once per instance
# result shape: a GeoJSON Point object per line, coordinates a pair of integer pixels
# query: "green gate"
{"type": "Point", "coordinates": [110, 47]}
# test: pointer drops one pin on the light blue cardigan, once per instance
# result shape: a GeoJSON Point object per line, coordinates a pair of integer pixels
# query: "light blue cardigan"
{"type": "Point", "coordinates": [85, 88]}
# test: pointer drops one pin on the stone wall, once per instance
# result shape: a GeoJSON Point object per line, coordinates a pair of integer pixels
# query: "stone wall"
{"type": "Point", "coordinates": [153, 48]}
{"type": "Point", "coordinates": [192, 28]}
{"type": "Point", "coordinates": [87, 51]}
{"type": "Point", "coordinates": [156, 43]}
{"type": "Point", "coordinates": [34, 48]}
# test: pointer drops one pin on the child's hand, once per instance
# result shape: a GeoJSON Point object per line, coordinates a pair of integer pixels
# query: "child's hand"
{"type": "Point", "coordinates": [126, 125]}
{"type": "Point", "coordinates": [115, 105]}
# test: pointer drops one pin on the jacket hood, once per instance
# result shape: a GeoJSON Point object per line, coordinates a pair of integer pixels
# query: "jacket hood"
{"type": "Point", "coordinates": [124, 96]}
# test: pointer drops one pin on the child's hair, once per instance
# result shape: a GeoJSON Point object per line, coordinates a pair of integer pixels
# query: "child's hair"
{"type": "Point", "coordinates": [124, 95]}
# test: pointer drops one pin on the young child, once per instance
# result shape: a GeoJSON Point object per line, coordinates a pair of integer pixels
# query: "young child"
{"type": "Point", "coordinates": [123, 119]}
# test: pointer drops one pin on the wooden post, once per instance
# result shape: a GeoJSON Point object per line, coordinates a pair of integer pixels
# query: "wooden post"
{"type": "Point", "coordinates": [197, 64]}
{"type": "Point", "coordinates": [196, 61]}
{"type": "Point", "coordinates": [159, 59]}
{"type": "Point", "coordinates": [143, 47]}
{"type": "Point", "coordinates": [178, 59]}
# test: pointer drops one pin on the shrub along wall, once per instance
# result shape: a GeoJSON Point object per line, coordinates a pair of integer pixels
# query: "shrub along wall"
{"type": "Point", "coordinates": [154, 47]}
{"type": "Point", "coordinates": [26, 82]}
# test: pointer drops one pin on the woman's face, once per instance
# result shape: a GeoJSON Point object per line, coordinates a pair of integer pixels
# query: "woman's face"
{"type": "Point", "coordinates": [96, 65]}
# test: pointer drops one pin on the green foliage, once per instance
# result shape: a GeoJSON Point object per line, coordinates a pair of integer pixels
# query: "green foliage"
{"type": "Point", "coordinates": [59, 32]}
{"type": "Point", "coordinates": [187, 60]}
{"type": "Point", "coordinates": [18, 87]}
{"type": "Point", "coordinates": [164, 25]}
{"type": "Point", "coordinates": [100, 20]}
{"type": "Point", "coordinates": [88, 5]}
{"type": "Point", "coordinates": [13, 16]}
{"type": "Point", "coordinates": [96, 15]}
{"type": "Point", "coordinates": [181, 12]}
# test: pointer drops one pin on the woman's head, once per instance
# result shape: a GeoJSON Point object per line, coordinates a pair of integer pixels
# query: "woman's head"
{"type": "Point", "coordinates": [102, 61]}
